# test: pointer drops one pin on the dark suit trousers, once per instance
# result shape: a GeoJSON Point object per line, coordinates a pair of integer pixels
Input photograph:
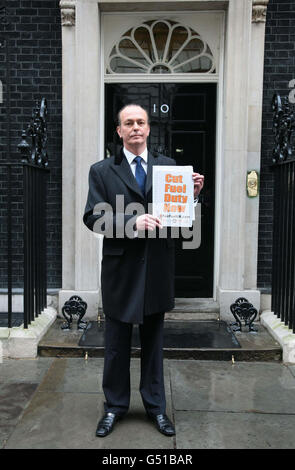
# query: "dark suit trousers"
{"type": "Point", "coordinates": [116, 374]}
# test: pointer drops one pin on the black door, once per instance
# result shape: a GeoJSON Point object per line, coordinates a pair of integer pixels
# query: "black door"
{"type": "Point", "coordinates": [182, 119]}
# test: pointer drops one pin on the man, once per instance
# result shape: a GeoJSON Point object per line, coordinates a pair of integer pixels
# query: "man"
{"type": "Point", "coordinates": [137, 275]}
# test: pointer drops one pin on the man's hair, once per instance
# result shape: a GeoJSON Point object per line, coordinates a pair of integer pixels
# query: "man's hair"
{"type": "Point", "coordinates": [127, 106]}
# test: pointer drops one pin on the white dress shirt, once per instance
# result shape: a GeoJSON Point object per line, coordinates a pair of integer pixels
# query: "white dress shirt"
{"type": "Point", "coordinates": [130, 157]}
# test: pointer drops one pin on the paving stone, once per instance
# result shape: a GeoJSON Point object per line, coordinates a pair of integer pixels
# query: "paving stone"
{"type": "Point", "coordinates": [19, 379]}
{"type": "Point", "coordinates": [57, 420]}
{"type": "Point", "coordinates": [14, 397]}
{"type": "Point", "coordinates": [77, 375]}
{"type": "Point", "coordinates": [215, 405]}
{"type": "Point", "coordinates": [24, 370]}
{"type": "Point", "coordinates": [292, 370]}
{"type": "Point", "coordinates": [73, 375]}
{"type": "Point", "coordinates": [212, 430]}
{"type": "Point", "coordinates": [5, 431]}
{"type": "Point", "coordinates": [222, 386]}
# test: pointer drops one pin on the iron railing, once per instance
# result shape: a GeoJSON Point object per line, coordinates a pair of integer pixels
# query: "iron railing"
{"type": "Point", "coordinates": [283, 264]}
{"type": "Point", "coordinates": [26, 208]}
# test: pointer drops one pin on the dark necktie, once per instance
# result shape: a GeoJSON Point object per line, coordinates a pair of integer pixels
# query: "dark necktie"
{"type": "Point", "coordinates": [140, 174]}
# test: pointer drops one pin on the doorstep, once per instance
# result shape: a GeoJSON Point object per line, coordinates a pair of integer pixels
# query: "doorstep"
{"type": "Point", "coordinates": [255, 346]}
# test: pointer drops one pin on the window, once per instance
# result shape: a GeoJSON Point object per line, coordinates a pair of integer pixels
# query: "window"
{"type": "Point", "coordinates": [161, 46]}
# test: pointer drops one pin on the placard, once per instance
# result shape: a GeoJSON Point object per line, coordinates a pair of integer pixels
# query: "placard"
{"type": "Point", "coordinates": [173, 195]}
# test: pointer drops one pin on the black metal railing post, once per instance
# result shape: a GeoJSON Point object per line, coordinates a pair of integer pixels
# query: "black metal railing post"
{"type": "Point", "coordinates": [43, 241]}
{"type": "Point", "coordinates": [35, 285]}
{"type": "Point", "coordinates": [26, 244]}
{"type": "Point", "coordinates": [283, 264]}
{"type": "Point", "coordinates": [34, 166]}
{"type": "Point", "coordinates": [292, 280]}
{"type": "Point", "coordinates": [36, 169]}
{"type": "Point", "coordinates": [291, 322]}
{"type": "Point", "coordinates": [9, 251]}
{"type": "Point", "coordinates": [276, 245]}
{"type": "Point", "coordinates": [37, 238]}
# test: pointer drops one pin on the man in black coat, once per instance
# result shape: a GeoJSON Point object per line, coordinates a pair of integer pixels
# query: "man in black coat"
{"type": "Point", "coordinates": [137, 276]}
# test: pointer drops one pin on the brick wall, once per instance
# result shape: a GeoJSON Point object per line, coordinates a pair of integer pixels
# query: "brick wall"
{"type": "Point", "coordinates": [32, 32]}
{"type": "Point", "coordinates": [279, 69]}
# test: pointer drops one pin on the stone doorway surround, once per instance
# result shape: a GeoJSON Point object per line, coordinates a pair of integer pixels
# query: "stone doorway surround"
{"type": "Point", "coordinates": [237, 231]}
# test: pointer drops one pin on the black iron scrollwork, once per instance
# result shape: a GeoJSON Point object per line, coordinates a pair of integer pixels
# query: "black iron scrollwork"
{"type": "Point", "coordinates": [3, 13]}
{"type": "Point", "coordinates": [36, 153]}
{"type": "Point", "coordinates": [283, 127]}
{"type": "Point", "coordinates": [243, 310]}
{"type": "Point", "coordinates": [74, 306]}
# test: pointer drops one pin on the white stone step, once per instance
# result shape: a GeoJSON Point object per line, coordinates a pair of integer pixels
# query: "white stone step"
{"type": "Point", "coordinates": [196, 305]}
{"type": "Point", "coordinates": [188, 316]}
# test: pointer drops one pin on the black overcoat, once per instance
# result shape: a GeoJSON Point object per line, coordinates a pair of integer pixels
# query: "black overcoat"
{"type": "Point", "coordinates": [137, 275]}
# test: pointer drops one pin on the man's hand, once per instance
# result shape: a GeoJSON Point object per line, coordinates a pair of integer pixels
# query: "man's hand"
{"type": "Point", "coordinates": [147, 222]}
{"type": "Point", "coordinates": [198, 183]}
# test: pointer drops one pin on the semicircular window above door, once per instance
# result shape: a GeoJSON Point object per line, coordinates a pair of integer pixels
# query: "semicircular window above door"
{"type": "Point", "coordinates": [159, 47]}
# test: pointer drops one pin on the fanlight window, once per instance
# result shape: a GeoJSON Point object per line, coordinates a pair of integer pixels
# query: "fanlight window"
{"type": "Point", "coordinates": [161, 46]}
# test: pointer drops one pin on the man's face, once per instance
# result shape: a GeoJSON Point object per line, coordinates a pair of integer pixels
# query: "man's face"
{"type": "Point", "coordinates": [134, 128]}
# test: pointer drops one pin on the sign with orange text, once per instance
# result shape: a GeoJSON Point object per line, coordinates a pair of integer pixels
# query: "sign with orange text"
{"type": "Point", "coordinates": [173, 195]}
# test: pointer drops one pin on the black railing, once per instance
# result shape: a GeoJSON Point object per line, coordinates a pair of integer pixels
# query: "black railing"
{"type": "Point", "coordinates": [23, 205]}
{"type": "Point", "coordinates": [283, 264]}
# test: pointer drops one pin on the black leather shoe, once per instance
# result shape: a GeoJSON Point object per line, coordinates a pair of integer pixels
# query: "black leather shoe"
{"type": "Point", "coordinates": [106, 424]}
{"type": "Point", "coordinates": [163, 424]}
